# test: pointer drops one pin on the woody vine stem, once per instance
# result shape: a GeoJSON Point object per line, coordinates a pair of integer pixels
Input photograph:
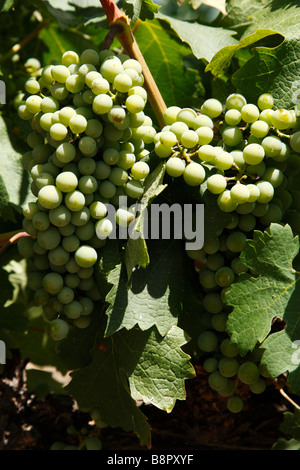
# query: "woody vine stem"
{"type": "Point", "coordinates": [119, 25]}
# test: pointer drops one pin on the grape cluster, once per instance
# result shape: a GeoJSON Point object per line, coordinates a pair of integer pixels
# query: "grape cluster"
{"type": "Point", "coordinates": [243, 154]}
{"type": "Point", "coordinates": [87, 149]}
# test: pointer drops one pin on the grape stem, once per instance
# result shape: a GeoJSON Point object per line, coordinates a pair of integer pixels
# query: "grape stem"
{"type": "Point", "coordinates": [11, 240]}
{"type": "Point", "coordinates": [119, 25]}
{"type": "Point", "coordinates": [288, 398]}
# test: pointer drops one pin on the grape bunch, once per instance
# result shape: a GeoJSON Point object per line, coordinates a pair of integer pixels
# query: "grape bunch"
{"type": "Point", "coordinates": [246, 156]}
{"type": "Point", "coordinates": [87, 151]}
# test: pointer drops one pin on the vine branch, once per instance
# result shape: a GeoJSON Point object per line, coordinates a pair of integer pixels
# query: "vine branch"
{"type": "Point", "coordinates": [11, 240]}
{"type": "Point", "coordinates": [119, 25]}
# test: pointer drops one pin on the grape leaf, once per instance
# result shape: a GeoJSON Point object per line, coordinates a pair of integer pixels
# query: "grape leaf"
{"type": "Point", "coordinates": [166, 63]}
{"type": "Point", "coordinates": [14, 180]}
{"type": "Point", "coordinates": [136, 249]}
{"type": "Point", "coordinates": [106, 387]}
{"type": "Point", "coordinates": [156, 292]}
{"type": "Point", "coordinates": [275, 71]}
{"type": "Point", "coordinates": [223, 57]}
{"type": "Point", "coordinates": [156, 366]}
{"type": "Point", "coordinates": [140, 9]}
{"type": "Point", "coordinates": [203, 40]}
{"type": "Point", "coordinates": [257, 300]}
{"type": "Point", "coordinates": [70, 13]}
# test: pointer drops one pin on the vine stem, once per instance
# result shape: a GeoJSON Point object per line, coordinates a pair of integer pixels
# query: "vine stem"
{"type": "Point", "coordinates": [17, 47]}
{"type": "Point", "coordinates": [119, 25]}
{"type": "Point", "coordinates": [288, 398]}
{"type": "Point", "coordinates": [11, 240]}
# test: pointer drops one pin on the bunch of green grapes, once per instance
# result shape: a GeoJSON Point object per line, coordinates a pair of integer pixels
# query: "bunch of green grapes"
{"type": "Point", "coordinates": [250, 161]}
{"type": "Point", "coordinates": [87, 151]}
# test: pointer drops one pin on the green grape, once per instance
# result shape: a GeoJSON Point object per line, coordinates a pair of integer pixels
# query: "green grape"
{"type": "Point", "coordinates": [210, 364]}
{"type": "Point", "coordinates": [207, 341]}
{"type": "Point", "coordinates": [232, 136]}
{"type": "Point", "coordinates": [250, 113]}
{"type": "Point", "coordinates": [107, 189]}
{"type": "Point", "coordinates": [194, 174]}
{"type": "Point", "coordinates": [170, 114]}
{"type": "Point", "coordinates": [248, 372]}
{"type": "Point", "coordinates": [65, 295]}
{"type": "Point", "coordinates": [111, 156]}
{"type": "Point", "coordinates": [85, 256]}
{"type": "Point", "coordinates": [225, 201]}
{"type": "Point", "coordinates": [73, 309]}
{"type": "Point", "coordinates": [207, 153]}
{"type": "Point", "coordinates": [273, 215]}
{"type": "Point", "coordinates": [212, 108]}
{"type": "Point", "coordinates": [236, 241]}
{"type": "Point", "coordinates": [80, 217]}
{"type": "Point", "coordinates": [228, 349]}
{"type": "Point", "coordinates": [187, 116]}
{"type": "Point", "coordinates": [259, 129]}
{"type": "Point", "coordinates": [60, 216]}
{"type": "Point", "coordinates": [134, 189]}
{"type": "Point", "coordinates": [228, 366]}
{"type": "Point", "coordinates": [235, 404]}
{"type": "Point", "coordinates": [211, 246]}
{"type": "Point", "coordinates": [247, 222]}
{"type": "Point", "coordinates": [53, 283]}
{"type": "Point", "coordinates": [49, 197]}
{"type": "Point", "coordinates": [240, 193]}
{"type": "Point", "coordinates": [25, 246]}
{"type": "Point", "coordinates": [124, 217]}
{"type": "Point", "coordinates": [118, 176]}
{"type": "Point", "coordinates": [66, 181]}
{"type": "Point", "coordinates": [135, 103]}
{"type": "Point", "coordinates": [175, 166]}
{"type": "Point", "coordinates": [189, 139]}
{"type": "Point", "coordinates": [215, 261]}
{"type": "Point", "coordinates": [102, 171]}
{"type": "Point", "coordinates": [273, 176]}
{"type": "Point", "coordinates": [223, 160]}
{"type": "Point", "coordinates": [58, 329]}
{"type": "Point", "coordinates": [253, 154]}
{"type": "Point", "coordinates": [265, 101]}
{"type": "Point", "coordinates": [238, 266]}
{"type": "Point", "coordinates": [217, 381]}
{"type": "Point", "coordinates": [87, 184]}
{"type": "Point", "coordinates": [212, 302]}
{"type": "Point", "coordinates": [266, 191]}
{"type": "Point", "coordinates": [295, 141]}
{"type": "Point", "coordinates": [140, 170]}
{"type": "Point", "coordinates": [235, 101]}
{"type": "Point", "coordinates": [168, 138]}
{"type": "Point", "coordinates": [98, 210]}
{"type": "Point", "coordinates": [85, 232]}
{"type": "Point", "coordinates": [103, 228]}
{"type": "Point", "coordinates": [272, 146]}
{"type": "Point", "coordinates": [70, 243]}
{"type": "Point", "coordinates": [282, 119]}
{"type": "Point", "coordinates": [58, 256]}
{"type": "Point", "coordinates": [205, 135]}
{"type": "Point", "coordinates": [218, 321]}
{"type": "Point", "coordinates": [224, 276]}
{"type": "Point", "coordinates": [232, 117]}
{"type": "Point", "coordinates": [65, 152]}
{"type": "Point", "coordinates": [258, 387]}
{"type": "Point", "coordinates": [78, 124]}
{"type": "Point", "coordinates": [207, 278]}
{"type": "Point", "coordinates": [75, 200]}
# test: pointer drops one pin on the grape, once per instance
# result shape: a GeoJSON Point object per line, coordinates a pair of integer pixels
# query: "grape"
{"type": "Point", "coordinates": [250, 113]}
{"type": "Point", "coordinates": [282, 119]}
{"type": "Point", "coordinates": [207, 278]}
{"type": "Point", "coordinates": [235, 404]}
{"type": "Point", "coordinates": [233, 117]}
{"type": "Point", "coordinates": [207, 341]}
{"type": "Point", "coordinates": [210, 364]}
{"type": "Point", "coordinates": [58, 329]}
{"type": "Point", "coordinates": [225, 202]}
{"type": "Point", "coordinates": [236, 241]}
{"type": "Point", "coordinates": [213, 303]}
{"type": "Point", "coordinates": [265, 101]}
{"type": "Point", "coordinates": [194, 174]}
{"type": "Point", "coordinates": [216, 184]}
{"type": "Point", "coordinates": [118, 176]}
{"type": "Point", "coordinates": [272, 146]}
{"type": "Point", "coordinates": [135, 103]}
{"type": "Point", "coordinates": [228, 366]}
{"type": "Point", "coordinates": [175, 166]}
{"type": "Point", "coordinates": [65, 152]}
{"type": "Point", "coordinates": [134, 189]}
{"type": "Point", "coordinates": [74, 200]}
{"type": "Point", "coordinates": [248, 372]}
{"type": "Point", "coordinates": [235, 101]}
{"type": "Point", "coordinates": [223, 160]}
{"type": "Point", "coordinates": [170, 114]}
{"type": "Point", "coordinates": [212, 108]}
{"type": "Point", "coordinates": [228, 349]}
{"type": "Point", "coordinates": [253, 154]}
{"type": "Point", "coordinates": [189, 139]}
{"type": "Point", "coordinates": [240, 193]}
{"type": "Point", "coordinates": [258, 387]}
{"type": "Point", "coordinates": [93, 443]}
{"type": "Point", "coordinates": [140, 170]}
{"type": "Point", "coordinates": [266, 191]}
{"type": "Point", "coordinates": [217, 381]}
{"type": "Point", "coordinates": [187, 116]}
{"type": "Point", "coordinates": [49, 197]}
{"type": "Point", "coordinates": [295, 141]}
{"type": "Point", "coordinates": [232, 136]}
{"type": "Point", "coordinates": [52, 283]}
{"type": "Point", "coordinates": [207, 153]}
{"type": "Point", "coordinates": [224, 276]}
{"type": "Point", "coordinates": [104, 228]}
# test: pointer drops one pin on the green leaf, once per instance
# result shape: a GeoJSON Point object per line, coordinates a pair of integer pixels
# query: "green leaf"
{"type": "Point", "coordinates": [275, 71]}
{"type": "Point", "coordinates": [291, 424]}
{"type": "Point", "coordinates": [41, 383]}
{"type": "Point", "coordinates": [156, 293]}
{"type": "Point", "coordinates": [106, 387]}
{"type": "Point", "coordinates": [223, 57]}
{"type": "Point", "coordinates": [140, 9]}
{"type": "Point", "coordinates": [6, 5]}
{"type": "Point", "coordinates": [75, 12]}
{"type": "Point", "coordinates": [136, 249]}
{"type": "Point", "coordinates": [14, 180]}
{"type": "Point", "coordinates": [256, 300]}
{"type": "Point", "coordinates": [156, 366]}
{"type": "Point", "coordinates": [204, 41]}
{"type": "Point", "coordinates": [164, 54]}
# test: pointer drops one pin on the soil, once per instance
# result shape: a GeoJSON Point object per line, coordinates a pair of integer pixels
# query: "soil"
{"type": "Point", "coordinates": [201, 422]}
